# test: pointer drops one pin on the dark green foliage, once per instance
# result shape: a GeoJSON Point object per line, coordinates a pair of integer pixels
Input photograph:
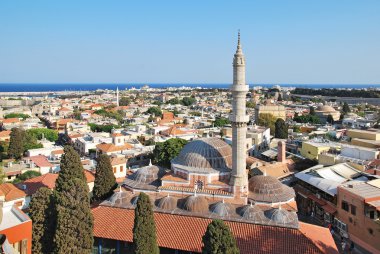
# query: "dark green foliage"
{"type": "Point", "coordinates": [267, 120]}
{"type": "Point", "coordinates": [364, 93]}
{"type": "Point", "coordinates": [158, 103]}
{"type": "Point", "coordinates": [174, 101]}
{"type": "Point", "coordinates": [105, 181]}
{"type": "Point", "coordinates": [307, 119]}
{"type": "Point", "coordinates": [218, 239]}
{"type": "Point", "coordinates": [221, 121]}
{"type": "Point", "coordinates": [71, 168]}
{"type": "Point", "coordinates": [16, 148]}
{"type": "Point", "coordinates": [124, 101]}
{"type": "Point", "coordinates": [164, 152]}
{"type": "Point", "coordinates": [41, 208]}
{"type": "Point", "coordinates": [144, 228]}
{"type": "Point", "coordinates": [26, 175]}
{"type": "Point", "coordinates": [74, 226]}
{"type": "Point", "coordinates": [330, 119]}
{"type": "Point", "coordinates": [280, 129]}
{"type": "Point", "coordinates": [345, 108]}
{"type": "Point", "coordinates": [250, 104]}
{"type": "Point", "coordinates": [4, 150]}
{"type": "Point", "coordinates": [156, 111]}
{"type": "Point", "coordinates": [17, 115]}
{"type": "Point", "coordinates": [102, 128]}
{"type": "Point", "coordinates": [30, 141]}
{"type": "Point", "coordinates": [195, 113]}
{"type": "Point", "coordinates": [312, 111]}
{"type": "Point", "coordinates": [110, 114]}
{"type": "Point", "coordinates": [2, 175]}
{"type": "Point", "coordinates": [188, 101]}
{"type": "Point", "coordinates": [39, 133]}
{"type": "Point", "coordinates": [176, 112]}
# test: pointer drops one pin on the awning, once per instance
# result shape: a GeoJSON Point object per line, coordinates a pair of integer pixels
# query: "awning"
{"type": "Point", "coordinates": [317, 200]}
{"type": "Point", "coordinates": [329, 209]}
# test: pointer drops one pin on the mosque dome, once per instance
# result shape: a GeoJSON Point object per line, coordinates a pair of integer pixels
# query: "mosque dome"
{"type": "Point", "coordinates": [268, 189]}
{"type": "Point", "coordinates": [196, 204]}
{"type": "Point", "coordinates": [167, 203]}
{"type": "Point", "coordinates": [325, 108]}
{"type": "Point", "coordinates": [252, 213]}
{"type": "Point", "coordinates": [146, 175]}
{"type": "Point", "coordinates": [281, 216]}
{"type": "Point", "coordinates": [205, 154]}
{"type": "Point", "coordinates": [221, 208]}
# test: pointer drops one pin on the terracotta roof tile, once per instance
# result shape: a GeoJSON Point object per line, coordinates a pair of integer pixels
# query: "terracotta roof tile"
{"type": "Point", "coordinates": [112, 148]}
{"type": "Point", "coordinates": [185, 233]}
{"type": "Point", "coordinates": [118, 160]}
{"type": "Point", "coordinates": [33, 184]}
{"type": "Point", "coordinates": [41, 161]}
{"type": "Point", "coordinates": [5, 133]}
{"type": "Point", "coordinates": [90, 177]}
{"type": "Point", "coordinates": [11, 192]}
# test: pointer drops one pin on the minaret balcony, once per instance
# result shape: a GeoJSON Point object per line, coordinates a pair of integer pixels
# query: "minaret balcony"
{"type": "Point", "coordinates": [239, 118]}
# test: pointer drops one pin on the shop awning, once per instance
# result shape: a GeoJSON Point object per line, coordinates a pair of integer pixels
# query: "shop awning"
{"type": "Point", "coordinates": [329, 209]}
{"type": "Point", "coordinates": [316, 200]}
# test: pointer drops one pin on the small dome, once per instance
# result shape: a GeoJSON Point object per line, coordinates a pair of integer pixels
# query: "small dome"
{"type": "Point", "coordinates": [146, 175]}
{"type": "Point", "coordinates": [281, 216]}
{"type": "Point", "coordinates": [196, 204]}
{"type": "Point", "coordinates": [325, 108]}
{"type": "Point", "coordinates": [134, 200]}
{"type": "Point", "coordinates": [167, 203]}
{"type": "Point", "coordinates": [252, 213]}
{"type": "Point", "coordinates": [115, 197]}
{"type": "Point", "coordinates": [221, 208]}
{"type": "Point", "coordinates": [206, 154]}
{"type": "Point", "coordinates": [269, 190]}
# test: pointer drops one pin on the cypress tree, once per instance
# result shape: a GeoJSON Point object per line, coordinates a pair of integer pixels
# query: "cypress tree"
{"type": "Point", "coordinates": [40, 211]}
{"type": "Point", "coordinates": [312, 111]}
{"type": "Point", "coordinates": [218, 239]}
{"type": "Point", "coordinates": [345, 108]}
{"type": "Point", "coordinates": [71, 167]}
{"type": "Point", "coordinates": [74, 227]}
{"type": "Point", "coordinates": [144, 228]}
{"type": "Point", "coordinates": [280, 129]}
{"type": "Point", "coordinates": [105, 181]}
{"type": "Point", "coordinates": [16, 147]}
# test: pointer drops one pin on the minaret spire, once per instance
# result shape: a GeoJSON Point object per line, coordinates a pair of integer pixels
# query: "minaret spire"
{"type": "Point", "coordinates": [117, 96]}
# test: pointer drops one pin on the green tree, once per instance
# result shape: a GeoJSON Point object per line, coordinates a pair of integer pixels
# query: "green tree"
{"type": "Point", "coordinates": [2, 175]}
{"type": "Point", "coordinates": [17, 115]}
{"type": "Point", "coordinates": [74, 220]}
{"type": "Point", "coordinates": [16, 146]}
{"type": "Point", "coordinates": [105, 181]}
{"type": "Point", "coordinates": [144, 228]}
{"type": "Point", "coordinates": [267, 120]}
{"type": "Point", "coordinates": [164, 152]}
{"type": "Point", "coordinates": [221, 121]}
{"type": "Point", "coordinates": [311, 111]}
{"type": "Point", "coordinates": [345, 108]}
{"type": "Point", "coordinates": [39, 133]}
{"type": "Point", "coordinates": [281, 129]}
{"type": "Point", "coordinates": [26, 175]}
{"type": "Point", "coordinates": [188, 101]}
{"type": "Point", "coordinates": [154, 111]}
{"type": "Point", "coordinates": [124, 101]}
{"type": "Point", "coordinates": [174, 101]}
{"type": "Point", "coordinates": [250, 104]}
{"type": "Point", "coordinates": [218, 239]}
{"type": "Point", "coordinates": [330, 119]}
{"type": "Point", "coordinates": [41, 208]}
{"type": "Point", "coordinates": [30, 141]}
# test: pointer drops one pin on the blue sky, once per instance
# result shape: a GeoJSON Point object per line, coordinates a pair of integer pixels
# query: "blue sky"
{"type": "Point", "coordinates": [285, 41]}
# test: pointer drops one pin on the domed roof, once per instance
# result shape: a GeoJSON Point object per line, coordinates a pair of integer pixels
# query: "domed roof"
{"type": "Point", "coordinates": [325, 108]}
{"type": "Point", "coordinates": [196, 204]}
{"type": "Point", "coordinates": [268, 189]}
{"type": "Point", "coordinates": [252, 213]}
{"type": "Point", "coordinates": [146, 175]}
{"type": "Point", "coordinates": [281, 216]}
{"type": "Point", "coordinates": [221, 208]}
{"type": "Point", "coordinates": [167, 203]}
{"type": "Point", "coordinates": [205, 154]}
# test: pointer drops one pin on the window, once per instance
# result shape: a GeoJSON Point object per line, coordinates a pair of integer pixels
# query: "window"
{"type": "Point", "coordinates": [121, 168]}
{"type": "Point", "coordinates": [114, 170]}
{"type": "Point", "coordinates": [345, 205]}
{"type": "Point", "coordinates": [353, 210]}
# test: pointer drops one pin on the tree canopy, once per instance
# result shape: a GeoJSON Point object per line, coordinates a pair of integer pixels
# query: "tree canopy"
{"type": "Point", "coordinates": [281, 129]}
{"type": "Point", "coordinates": [219, 239]}
{"type": "Point", "coordinates": [16, 115]}
{"type": "Point", "coordinates": [16, 147]}
{"type": "Point", "coordinates": [39, 133]}
{"type": "Point", "coordinates": [144, 228]}
{"type": "Point", "coordinates": [164, 152]}
{"type": "Point", "coordinates": [345, 108]}
{"type": "Point", "coordinates": [307, 119]}
{"type": "Point", "coordinates": [105, 181]}
{"type": "Point", "coordinates": [221, 121]}
{"type": "Point", "coordinates": [267, 120]}
{"type": "Point", "coordinates": [154, 111]}
{"type": "Point", "coordinates": [124, 101]}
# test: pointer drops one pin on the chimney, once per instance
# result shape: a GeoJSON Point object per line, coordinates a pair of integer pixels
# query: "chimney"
{"type": "Point", "coordinates": [281, 153]}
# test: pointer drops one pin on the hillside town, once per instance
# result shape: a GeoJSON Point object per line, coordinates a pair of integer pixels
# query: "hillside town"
{"type": "Point", "coordinates": [286, 173]}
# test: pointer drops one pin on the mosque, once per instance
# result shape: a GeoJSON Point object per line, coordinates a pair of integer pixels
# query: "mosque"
{"type": "Point", "coordinates": [209, 178]}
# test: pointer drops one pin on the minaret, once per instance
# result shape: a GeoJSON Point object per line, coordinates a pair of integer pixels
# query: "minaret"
{"type": "Point", "coordinates": [239, 120]}
{"type": "Point", "coordinates": [117, 96]}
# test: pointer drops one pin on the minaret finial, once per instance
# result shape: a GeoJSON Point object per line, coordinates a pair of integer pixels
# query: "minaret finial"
{"type": "Point", "coordinates": [239, 37]}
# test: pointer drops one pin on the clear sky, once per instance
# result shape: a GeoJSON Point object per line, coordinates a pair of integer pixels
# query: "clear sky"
{"type": "Point", "coordinates": [159, 41]}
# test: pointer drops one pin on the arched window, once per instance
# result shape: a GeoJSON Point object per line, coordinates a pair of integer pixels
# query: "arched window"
{"type": "Point", "coordinates": [199, 185]}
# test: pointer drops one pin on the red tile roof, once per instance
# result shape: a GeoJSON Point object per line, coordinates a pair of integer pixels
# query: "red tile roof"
{"type": "Point", "coordinates": [5, 133]}
{"type": "Point", "coordinates": [33, 184]}
{"type": "Point", "coordinates": [40, 161]}
{"type": "Point", "coordinates": [112, 148]}
{"type": "Point", "coordinates": [90, 177]}
{"type": "Point", "coordinates": [185, 233]}
{"type": "Point", "coordinates": [11, 192]}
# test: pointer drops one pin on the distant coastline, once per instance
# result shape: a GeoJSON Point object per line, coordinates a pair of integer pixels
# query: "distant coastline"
{"type": "Point", "coordinates": [8, 87]}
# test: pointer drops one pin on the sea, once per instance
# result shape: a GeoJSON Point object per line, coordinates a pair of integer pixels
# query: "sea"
{"type": "Point", "coordinates": [4, 87]}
